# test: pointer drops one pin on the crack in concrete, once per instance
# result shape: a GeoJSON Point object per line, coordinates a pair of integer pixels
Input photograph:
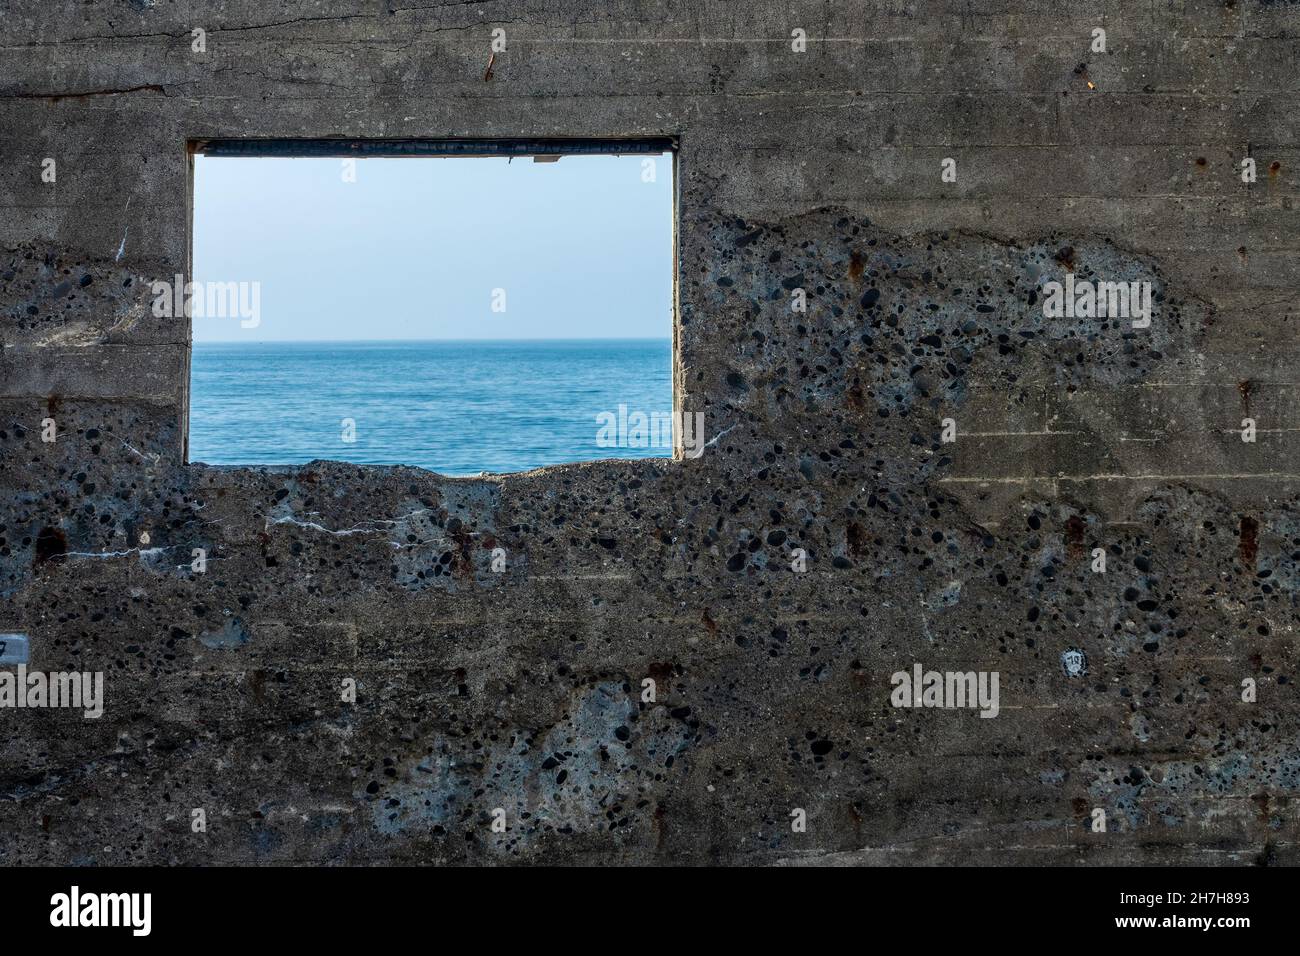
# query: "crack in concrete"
{"type": "Point", "coordinates": [83, 94]}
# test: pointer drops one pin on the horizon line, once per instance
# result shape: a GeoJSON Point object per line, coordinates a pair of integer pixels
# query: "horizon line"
{"type": "Point", "coordinates": [603, 338]}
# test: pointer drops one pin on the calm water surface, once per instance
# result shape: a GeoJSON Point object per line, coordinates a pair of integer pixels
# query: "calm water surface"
{"type": "Point", "coordinates": [454, 407]}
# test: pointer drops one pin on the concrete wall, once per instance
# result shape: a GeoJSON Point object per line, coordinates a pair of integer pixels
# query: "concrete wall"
{"type": "Point", "coordinates": [817, 170]}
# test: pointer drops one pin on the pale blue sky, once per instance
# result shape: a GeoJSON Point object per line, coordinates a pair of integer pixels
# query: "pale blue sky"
{"type": "Point", "coordinates": [415, 247]}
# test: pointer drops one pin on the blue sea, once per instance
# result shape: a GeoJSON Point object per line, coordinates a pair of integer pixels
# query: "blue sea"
{"type": "Point", "coordinates": [456, 407]}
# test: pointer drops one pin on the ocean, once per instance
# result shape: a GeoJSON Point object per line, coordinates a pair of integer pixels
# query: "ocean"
{"type": "Point", "coordinates": [455, 407]}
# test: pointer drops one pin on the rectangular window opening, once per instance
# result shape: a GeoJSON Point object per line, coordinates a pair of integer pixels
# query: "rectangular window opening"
{"type": "Point", "coordinates": [460, 306]}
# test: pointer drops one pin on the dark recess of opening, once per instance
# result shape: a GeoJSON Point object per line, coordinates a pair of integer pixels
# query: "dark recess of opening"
{"type": "Point", "coordinates": [432, 147]}
{"type": "Point", "coordinates": [51, 543]}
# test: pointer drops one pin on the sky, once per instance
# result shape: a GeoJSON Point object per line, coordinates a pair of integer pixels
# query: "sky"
{"type": "Point", "coordinates": [415, 248]}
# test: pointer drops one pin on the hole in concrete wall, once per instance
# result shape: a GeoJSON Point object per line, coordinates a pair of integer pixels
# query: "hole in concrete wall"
{"type": "Point", "coordinates": [461, 307]}
{"type": "Point", "coordinates": [1248, 543]}
{"type": "Point", "coordinates": [51, 543]}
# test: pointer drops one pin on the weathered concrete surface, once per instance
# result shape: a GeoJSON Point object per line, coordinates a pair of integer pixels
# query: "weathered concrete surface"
{"type": "Point", "coordinates": [521, 690]}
